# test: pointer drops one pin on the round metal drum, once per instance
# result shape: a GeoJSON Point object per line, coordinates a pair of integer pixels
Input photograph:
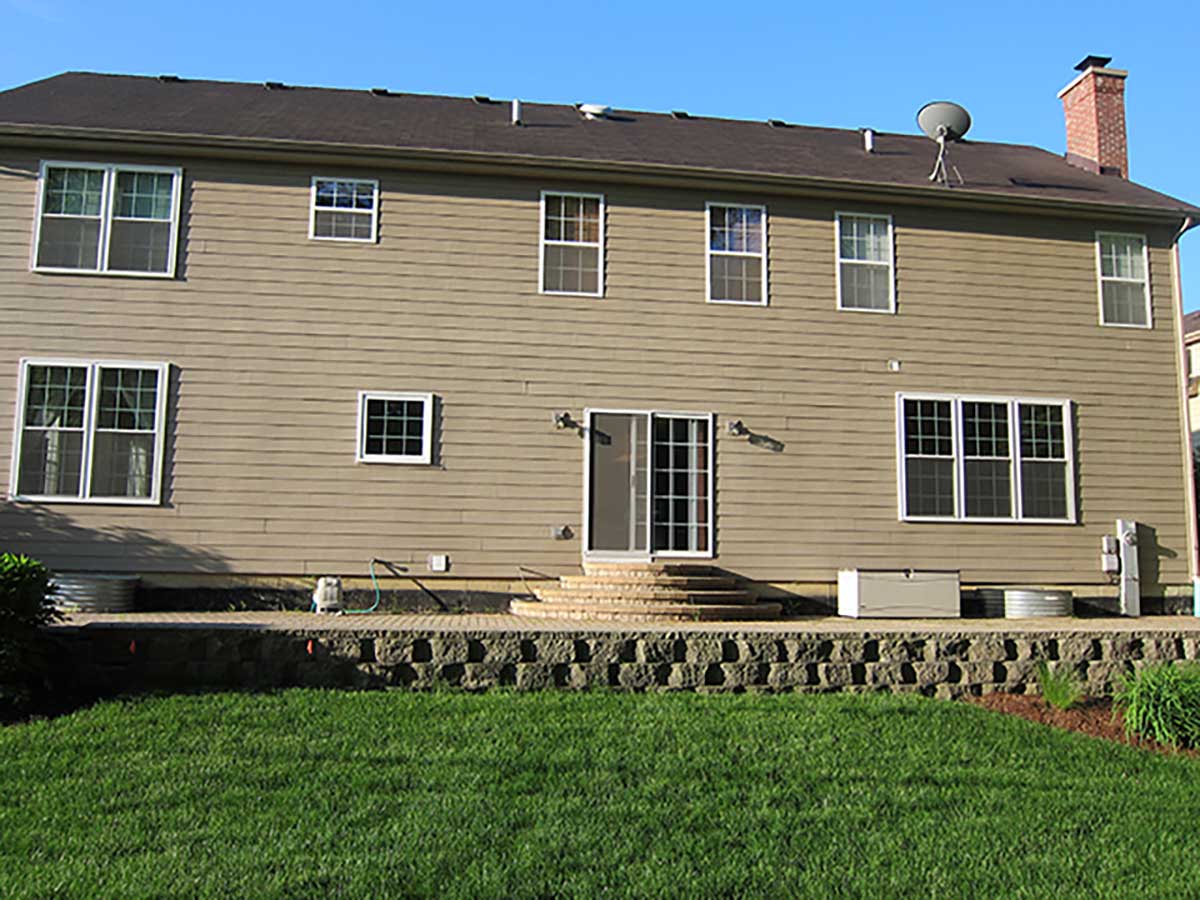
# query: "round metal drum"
{"type": "Point", "coordinates": [1027, 603]}
{"type": "Point", "coordinates": [989, 603]}
{"type": "Point", "coordinates": [94, 593]}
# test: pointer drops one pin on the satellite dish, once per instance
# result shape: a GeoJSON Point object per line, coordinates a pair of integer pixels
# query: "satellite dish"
{"type": "Point", "coordinates": [943, 121]}
{"type": "Point", "coordinates": [941, 118]}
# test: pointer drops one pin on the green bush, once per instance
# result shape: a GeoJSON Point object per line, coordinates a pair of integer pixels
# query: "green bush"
{"type": "Point", "coordinates": [24, 593]}
{"type": "Point", "coordinates": [1162, 702]}
{"type": "Point", "coordinates": [24, 608]}
{"type": "Point", "coordinates": [1058, 688]}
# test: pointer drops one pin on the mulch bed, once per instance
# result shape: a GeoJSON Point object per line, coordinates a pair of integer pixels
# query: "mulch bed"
{"type": "Point", "coordinates": [1093, 716]}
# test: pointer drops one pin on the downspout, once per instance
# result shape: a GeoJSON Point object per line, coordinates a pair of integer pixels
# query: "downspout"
{"type": "Point", "coordinates": [1184, 415]}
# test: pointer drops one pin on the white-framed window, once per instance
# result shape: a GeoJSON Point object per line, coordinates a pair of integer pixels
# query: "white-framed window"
{"type": "Point", "coordinates": [107, 218]}
{"type": "Point", "coordinates": [866, 277]}
{"type": "Point", "coordinates": [985, 459]}
{"type": "Point", "coordinates": [572, 244]}
{"type": "Point", "coordinates": [344, 209]}
{"type": "Point", "coordinates": [395, 427]}
{"type": "Point", "coordinates": [736, 254]}
{"type": "Point", "coordinates": [1123, 269]}
{"type": "Point", "coordinates": [89, 431]}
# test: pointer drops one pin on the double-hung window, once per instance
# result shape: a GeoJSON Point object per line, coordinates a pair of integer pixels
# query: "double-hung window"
{"type": "Point", "coordinates": [90, 431]}
{"type": "Point", "coordinates": [985, 459]}
{"type": "Point", "coordinates": [395, 427]}
{"type": "Point", "coordinates": [1124, 284]}
{"type": "Point", "coordinates": [572, 244]}
{"type": "Point", "coordinates": [344, 209]}
{"type": "Point", "coordinates": [111, 219]}
{"type": "Point", "coordinates": [865, 265]}
{"type": "Point", "coordinates": [737, 254]}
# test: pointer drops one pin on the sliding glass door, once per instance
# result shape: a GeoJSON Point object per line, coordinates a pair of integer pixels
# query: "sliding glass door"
{"type": "Point", "coordinates": [649, 484]}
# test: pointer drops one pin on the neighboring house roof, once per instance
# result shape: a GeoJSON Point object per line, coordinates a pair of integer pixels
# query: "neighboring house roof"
{"type": "Point", "coordinates": [1191, 327]}
{"type": "Point", "coordinates": [81, 103]}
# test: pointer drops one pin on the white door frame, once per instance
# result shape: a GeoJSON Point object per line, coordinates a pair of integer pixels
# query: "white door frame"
{"type": "Point", "coordinates": [649, 554]}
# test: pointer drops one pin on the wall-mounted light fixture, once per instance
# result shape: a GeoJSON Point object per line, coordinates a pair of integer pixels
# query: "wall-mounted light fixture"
{"type": "Point", "coordinates": [737, 428]}
{"type": "Point", "coordinates": [563, 420]}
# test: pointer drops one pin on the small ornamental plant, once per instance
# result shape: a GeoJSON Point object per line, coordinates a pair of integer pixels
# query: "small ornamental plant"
{"type": "Point", "coordinates": [24, 608]}
{"type": "Point", "coordinates": [1058, 688]}
{"type": "Point", "coordinates": [1162, 703]}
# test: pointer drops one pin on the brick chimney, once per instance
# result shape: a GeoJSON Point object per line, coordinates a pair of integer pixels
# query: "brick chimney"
{"type": "Point", "coordinates": [1094, 106]}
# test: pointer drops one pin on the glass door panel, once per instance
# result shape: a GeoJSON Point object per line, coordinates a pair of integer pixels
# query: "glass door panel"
{"type": "Point", "coordinates": [617, 481]}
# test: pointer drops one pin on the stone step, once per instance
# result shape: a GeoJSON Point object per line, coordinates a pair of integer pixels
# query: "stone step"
{"type": "Point", "coordinates": [642, 595]}
{"type": "Point", "coordinates": [660, 582]}
{"type": "Point", "coordinates": [648, 570]}
{"type": "Point", "coordinates": [644, 612]}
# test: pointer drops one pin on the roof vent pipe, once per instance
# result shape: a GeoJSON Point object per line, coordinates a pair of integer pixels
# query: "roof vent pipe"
{"type": "Point", "coordinates": [516, 111]}
{"type": "Point", "coordinates": [868, 140]}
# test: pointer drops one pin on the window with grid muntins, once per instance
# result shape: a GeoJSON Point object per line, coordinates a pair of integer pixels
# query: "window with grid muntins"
{"type": "Point", "coordinates": [987, 468]}
{"type": "Point", "coordinates": [395, 427]}
{"type": "Point", "coordinates": [737, 254]}
{"type": "Point", "coordinates": [572, 244]}
{"type": "Point", "coordinates": [1124, 286]}
{"type": "Point", "coordinates": [865, 272]}
{"type": "Point", "coordinates": [90, 431]}
{"type": "Point", "coordinates": [107, 218]}
{"type": "Point", "coordinates": [929, 457]}
{"type": "Point", "coordinates": [680, 500]}
{"type": "Point", "coordinates": [963, 458]}
{"type": "Point", "coordinates": [345, 209]}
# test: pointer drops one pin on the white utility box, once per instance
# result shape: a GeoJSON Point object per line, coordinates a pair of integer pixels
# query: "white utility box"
{"type": "Point", "coordinates": [879, 594]}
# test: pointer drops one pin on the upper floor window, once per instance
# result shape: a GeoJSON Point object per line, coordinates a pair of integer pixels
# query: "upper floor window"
{"type": "Point", "coordinates": [572, 260]}
{"type": "Point", "coordinates": [865, 268]}
{"type": "Point", "coordinates": [1124, 285]}
{"type": "Point", "coordinates": [114, 219]}
{"type": "Point", "coordinates": [344, 210]}
{"type": "Point", "coordinates": [985, 459]}
{"type": "Point", "coordinates": [395, 428]}
{"type": "Point", "coordinates": [90, 431]}
{"type": "Point", "coordinates": [737, 254]}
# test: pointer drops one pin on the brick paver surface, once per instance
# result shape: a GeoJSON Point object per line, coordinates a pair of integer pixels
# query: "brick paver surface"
{"type": "Point", "coordinates": [427, 622]}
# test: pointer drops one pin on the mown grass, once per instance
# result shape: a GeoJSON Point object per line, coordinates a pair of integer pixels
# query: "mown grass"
{"type": "Point", "coordinates": [310, 793]}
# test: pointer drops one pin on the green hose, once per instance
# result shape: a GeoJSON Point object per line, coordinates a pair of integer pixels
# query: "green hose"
{"type": "Point", "coordinates": [374, 606]}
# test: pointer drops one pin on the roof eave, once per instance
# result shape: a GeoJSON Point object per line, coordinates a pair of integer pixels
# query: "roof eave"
{"type": "Point", "coordinates": [645, 172]}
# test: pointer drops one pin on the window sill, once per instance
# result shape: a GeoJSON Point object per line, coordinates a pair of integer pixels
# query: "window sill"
{"type": "Point", "coordinates": [570, 293]}
{"type": "Point", "coordinates": [89, 501]}
{"type": "Point", "coordinates": [978, 520]}
{"type": "Point", "coordinates": [1147, 327]}
{"type": "Point", "coordinates": [394, 460]}
{"type": "Point", "coordinates": [112, 273]}
{"type": "Point", "coordinates": [865, 309]}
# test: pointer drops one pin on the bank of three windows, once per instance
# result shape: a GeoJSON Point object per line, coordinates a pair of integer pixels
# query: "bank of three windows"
{"type": "Point", "coordinates": [985, 459]}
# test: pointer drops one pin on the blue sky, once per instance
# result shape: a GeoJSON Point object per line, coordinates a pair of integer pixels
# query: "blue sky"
{"type": "Point", "coordinates": [837, 64]}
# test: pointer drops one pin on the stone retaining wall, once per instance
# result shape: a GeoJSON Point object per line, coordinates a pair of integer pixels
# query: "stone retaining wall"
{"type": "Point", "coordinates": [111, 659]}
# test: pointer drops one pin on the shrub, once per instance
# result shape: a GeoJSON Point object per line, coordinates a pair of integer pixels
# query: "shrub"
{"type": "Point", "coordinates": [24, 592]}
{"type": "Point", "coordinates": [1058, 688]}
{"type": "Point", "coordinates": [1162, 702]}
{"type": "Point", "coordinates": [24, 608]}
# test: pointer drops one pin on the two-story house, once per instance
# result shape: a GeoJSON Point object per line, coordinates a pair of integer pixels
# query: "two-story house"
{"type": "Point", "coordinates": [256, 332]}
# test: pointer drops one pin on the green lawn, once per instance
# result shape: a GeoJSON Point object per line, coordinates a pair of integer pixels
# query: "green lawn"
{"type": "Point", "coordinates": [309, 793]}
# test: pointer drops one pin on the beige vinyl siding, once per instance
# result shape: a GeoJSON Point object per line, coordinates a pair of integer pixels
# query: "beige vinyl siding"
{"type": "Point", "coordinates": [272, 335]}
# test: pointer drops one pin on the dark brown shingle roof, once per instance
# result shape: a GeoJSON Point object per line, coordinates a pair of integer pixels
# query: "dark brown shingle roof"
{"type": "Point", "coordinates": [211, 109]}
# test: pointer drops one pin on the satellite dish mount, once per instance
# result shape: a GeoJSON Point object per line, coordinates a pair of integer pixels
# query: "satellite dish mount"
{"type": "Point", "coordinates": [944, 122]}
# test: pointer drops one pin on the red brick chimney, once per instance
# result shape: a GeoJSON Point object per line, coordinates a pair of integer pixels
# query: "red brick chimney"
{"type": "Point", "coordinates": [1094, 106]}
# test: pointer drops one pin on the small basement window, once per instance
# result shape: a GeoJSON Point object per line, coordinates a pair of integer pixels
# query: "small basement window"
{"type": "Point", "coordinates": [1124, 285]}
{"type": "Point", "coordinates": [395, 428]}
{"type": "Point", "coordinates": [90, 431]}
{"type": "Point", "coordinates": [344, 209]}
{"type": "Point", "coordinates": [737, 254]}
{"type": "Point", "coordinates": [108, 219]}
{"type": "Point", "coordinates": [865, 266]}
{"type": "Point", "coordinates": [572, 244]}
